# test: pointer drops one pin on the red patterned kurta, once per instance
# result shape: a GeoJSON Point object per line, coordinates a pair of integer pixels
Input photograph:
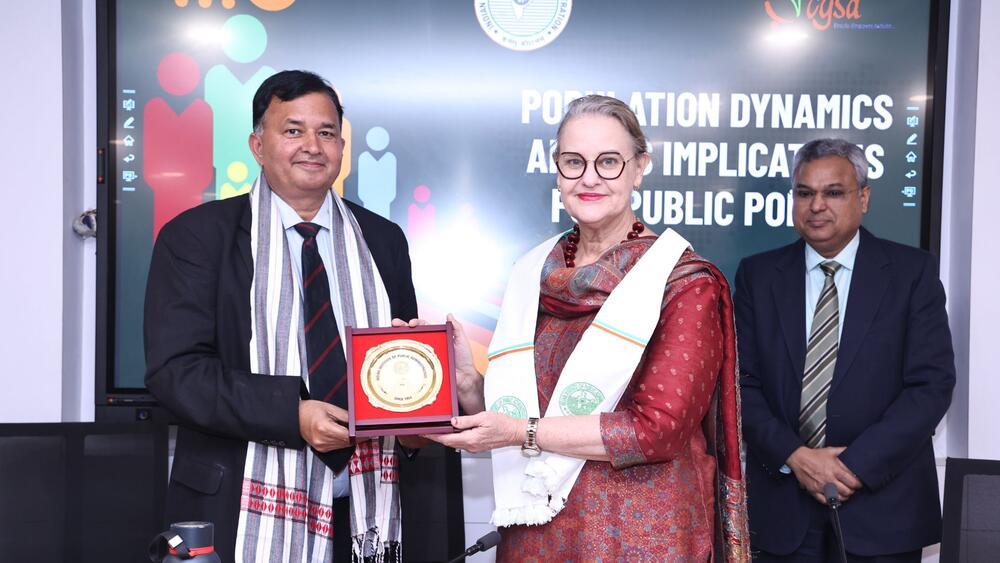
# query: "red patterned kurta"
{"type": "Point", "coordinates": [655, 500]}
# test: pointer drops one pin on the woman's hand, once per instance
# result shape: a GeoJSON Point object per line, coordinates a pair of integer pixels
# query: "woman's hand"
{"type": "Point", "coordinates": [470, 381]}
{"type": "Point", "coordinates": [465, 367]}
{"type": "Point", "coordinates": [483, 432]}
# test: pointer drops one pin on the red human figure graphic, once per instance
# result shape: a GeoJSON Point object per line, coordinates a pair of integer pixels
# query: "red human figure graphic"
{"type": "Point", "coordinates": [177, 148]}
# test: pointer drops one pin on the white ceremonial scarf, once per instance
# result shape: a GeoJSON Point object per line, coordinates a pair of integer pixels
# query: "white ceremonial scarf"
{"type": "Point", "coordinates": [534, 490]}
{"type": "Point", "coordinates": [286, 504]}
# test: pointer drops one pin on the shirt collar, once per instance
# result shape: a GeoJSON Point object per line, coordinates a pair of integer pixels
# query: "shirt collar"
{"type": "Point", "coordinates": [290, 217]}
{"type": "Point", "coordinates": [845, 257]}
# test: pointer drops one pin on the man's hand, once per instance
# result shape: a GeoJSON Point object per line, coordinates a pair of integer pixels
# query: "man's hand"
{"type": "Point", "coordinates": [320, 426]}
{"type": "Point", "coordinates": [483, 432]}
{"type": "Point", "coordinates": [817, 467]}
{"type": "Point", "coordinates": [412, 323]}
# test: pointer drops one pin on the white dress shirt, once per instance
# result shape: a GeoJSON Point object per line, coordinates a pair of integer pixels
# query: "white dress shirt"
{"type": "Point", "coordinates": [324, 241]}
{"type": "Point", "coordinates": [842, 279]}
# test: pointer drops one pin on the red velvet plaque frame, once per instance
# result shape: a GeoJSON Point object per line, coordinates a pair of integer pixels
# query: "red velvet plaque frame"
{"type": "Point", "coordinates": [366, 419]}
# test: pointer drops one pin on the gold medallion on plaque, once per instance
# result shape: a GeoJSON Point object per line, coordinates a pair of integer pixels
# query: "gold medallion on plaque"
{"type": "Point", "coordinates": [401, 375]}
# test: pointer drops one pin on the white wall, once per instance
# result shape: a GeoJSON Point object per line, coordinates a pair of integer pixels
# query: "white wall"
{"type": "Point", "coordinates": [46, 152]}
{"type": "Point", "coordinates": [956, 209]}
{"type": "Point", "coordinates": [79, 189]}
{"type": "Point", "coordinates": [984, 313]}
{"type": "Point", "coordinates": [970, 229]}
{"type": "Point", "coordinates": [32, 238]}
{"type": "Point", "coordinates": [477, 488]}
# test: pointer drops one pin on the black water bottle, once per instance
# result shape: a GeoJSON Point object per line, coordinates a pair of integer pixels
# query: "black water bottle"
{"type": "Point", "coordinates": [192, 542]}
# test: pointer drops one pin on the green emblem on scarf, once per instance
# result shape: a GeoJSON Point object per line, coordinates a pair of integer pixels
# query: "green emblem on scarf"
{"type": "Point", "coordinates": [510, 406]}
{"type": "Point", "coordinates": [580, 398]}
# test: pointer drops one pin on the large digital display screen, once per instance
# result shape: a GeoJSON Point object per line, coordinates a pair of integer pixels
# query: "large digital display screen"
{"type": "Point", "coordinates": [452, 108]}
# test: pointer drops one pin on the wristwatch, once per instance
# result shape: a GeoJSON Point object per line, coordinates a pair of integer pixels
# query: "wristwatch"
{"type": "Point", "coordinates": [530, 446]}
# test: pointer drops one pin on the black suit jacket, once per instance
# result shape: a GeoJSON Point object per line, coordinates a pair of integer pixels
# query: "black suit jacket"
{"type": "Point", "coordinates": [892, 384]}
{"type": "Point", "coordinates": [197, 334]}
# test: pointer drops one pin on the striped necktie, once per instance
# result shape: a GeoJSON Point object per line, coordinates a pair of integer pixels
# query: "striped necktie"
{"type": "Point", "coordinates": [821, 359]}
{"type": "Point", "coordinates": [324, 350]}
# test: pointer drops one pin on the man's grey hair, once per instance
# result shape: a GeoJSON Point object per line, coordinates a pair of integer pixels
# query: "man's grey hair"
{"type": "Point", "coordinates": [822, 148]}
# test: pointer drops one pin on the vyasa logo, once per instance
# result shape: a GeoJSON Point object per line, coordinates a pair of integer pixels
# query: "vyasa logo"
{"type": "Point", "coordinates": [820, 12]}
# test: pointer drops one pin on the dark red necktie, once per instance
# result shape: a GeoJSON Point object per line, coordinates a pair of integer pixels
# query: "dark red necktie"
{"type": "Point", "coordinates": [324, 350]}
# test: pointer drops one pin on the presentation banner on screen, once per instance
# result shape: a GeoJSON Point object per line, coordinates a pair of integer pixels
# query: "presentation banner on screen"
{"type": "Point", "coordinates": [452, 108]}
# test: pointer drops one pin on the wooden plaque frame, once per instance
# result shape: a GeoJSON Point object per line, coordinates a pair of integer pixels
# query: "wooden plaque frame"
{"type": "Point", "coordinates": [365, 419]}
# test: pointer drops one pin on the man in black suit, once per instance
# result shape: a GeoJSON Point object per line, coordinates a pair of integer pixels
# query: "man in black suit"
{"type": "Point", "coordinates": [846, 369]}
{"type": "Point", "coordinates": [199, 323]}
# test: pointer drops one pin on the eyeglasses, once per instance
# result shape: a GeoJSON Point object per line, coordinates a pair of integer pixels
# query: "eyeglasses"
{"type": "Point", "coordinates": [832, 194]}
{"type": "Point", "coordinates": [608, 165]}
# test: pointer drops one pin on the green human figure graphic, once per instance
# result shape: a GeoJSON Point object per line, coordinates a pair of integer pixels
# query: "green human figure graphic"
{"type": "Point", "coordinates": [230, 100]}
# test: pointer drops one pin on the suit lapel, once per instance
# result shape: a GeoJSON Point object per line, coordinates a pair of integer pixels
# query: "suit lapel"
{"type": "Point", "coordinates": [789, 290]}
{"type": "Point", "coordinates": [869, 283]}
{"type": "Point", "coordinates": [243, 239]}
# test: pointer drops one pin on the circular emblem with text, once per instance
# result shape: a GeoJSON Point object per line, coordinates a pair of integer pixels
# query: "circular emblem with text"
{"type": "Point", "coordinates": [523, 25]}
{"type": "Point", "coordinates": [401, 375]}
{"type": "Point", "coordinates": [510, 406]}
{"type": "Point", "coordinates": [580, 398]}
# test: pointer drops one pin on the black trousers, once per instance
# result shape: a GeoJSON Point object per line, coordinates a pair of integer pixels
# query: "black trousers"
{"type": "Point", "coordinates": [820, 546]}
{"type": "Point", "coordinates": [342, 529]}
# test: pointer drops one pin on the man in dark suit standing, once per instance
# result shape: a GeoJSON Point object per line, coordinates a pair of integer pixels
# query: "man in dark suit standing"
{"type": "Point", "coordinates": [246, 301]}
{"type": "Point", "coordinates": [846, 369]}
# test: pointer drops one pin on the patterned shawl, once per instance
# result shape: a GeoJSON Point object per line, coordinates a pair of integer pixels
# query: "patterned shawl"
{"type": "Point", "coordinates": [573, 292]}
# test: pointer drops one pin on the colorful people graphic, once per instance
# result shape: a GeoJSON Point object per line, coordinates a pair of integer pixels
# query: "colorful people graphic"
{"type": "Point", "coordinates": [377, 176]}
{"type": "Point", "coordinates": [227, 4]}
{"type": "Point", "coordinates": [420, 214]}
{"type": "Point", "coordinates": [272, 5]}
{"type": "Point", "coordinates": [177, 148]}
{"type": "Point", "coordinates": [268, 5]}
{"type": "Point", "coordinates": [230, 98]}
{"type": "Point", "coordinates": [345, 163]}
{"type": "Point", "coordinates": [236, 181]}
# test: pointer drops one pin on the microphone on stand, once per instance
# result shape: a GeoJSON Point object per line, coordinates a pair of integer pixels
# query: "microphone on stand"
{"type": "Point", "coordinates": [832, 496]}
{"type": "Point", "coordinates": [833, 501]}
{"type": "Point", "coordinates": [485, 543]}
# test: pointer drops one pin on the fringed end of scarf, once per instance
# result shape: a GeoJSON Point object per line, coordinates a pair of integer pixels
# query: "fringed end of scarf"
{"type": "Point", "coordinates": [542, 479]}
{"type": "Point", "coordinates": [528, 515]}
{"type": "Point", "coordinates": [393, 554]}
{"type": "Point", "coordinates": [368, 548]}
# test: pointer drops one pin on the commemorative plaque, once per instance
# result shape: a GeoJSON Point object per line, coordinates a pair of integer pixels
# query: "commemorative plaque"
{"type": "Point", "coordinates": [401, 380]}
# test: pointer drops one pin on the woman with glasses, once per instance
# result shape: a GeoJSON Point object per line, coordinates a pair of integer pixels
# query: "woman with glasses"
{"type": "Point", "coordinates": [610, 402]}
